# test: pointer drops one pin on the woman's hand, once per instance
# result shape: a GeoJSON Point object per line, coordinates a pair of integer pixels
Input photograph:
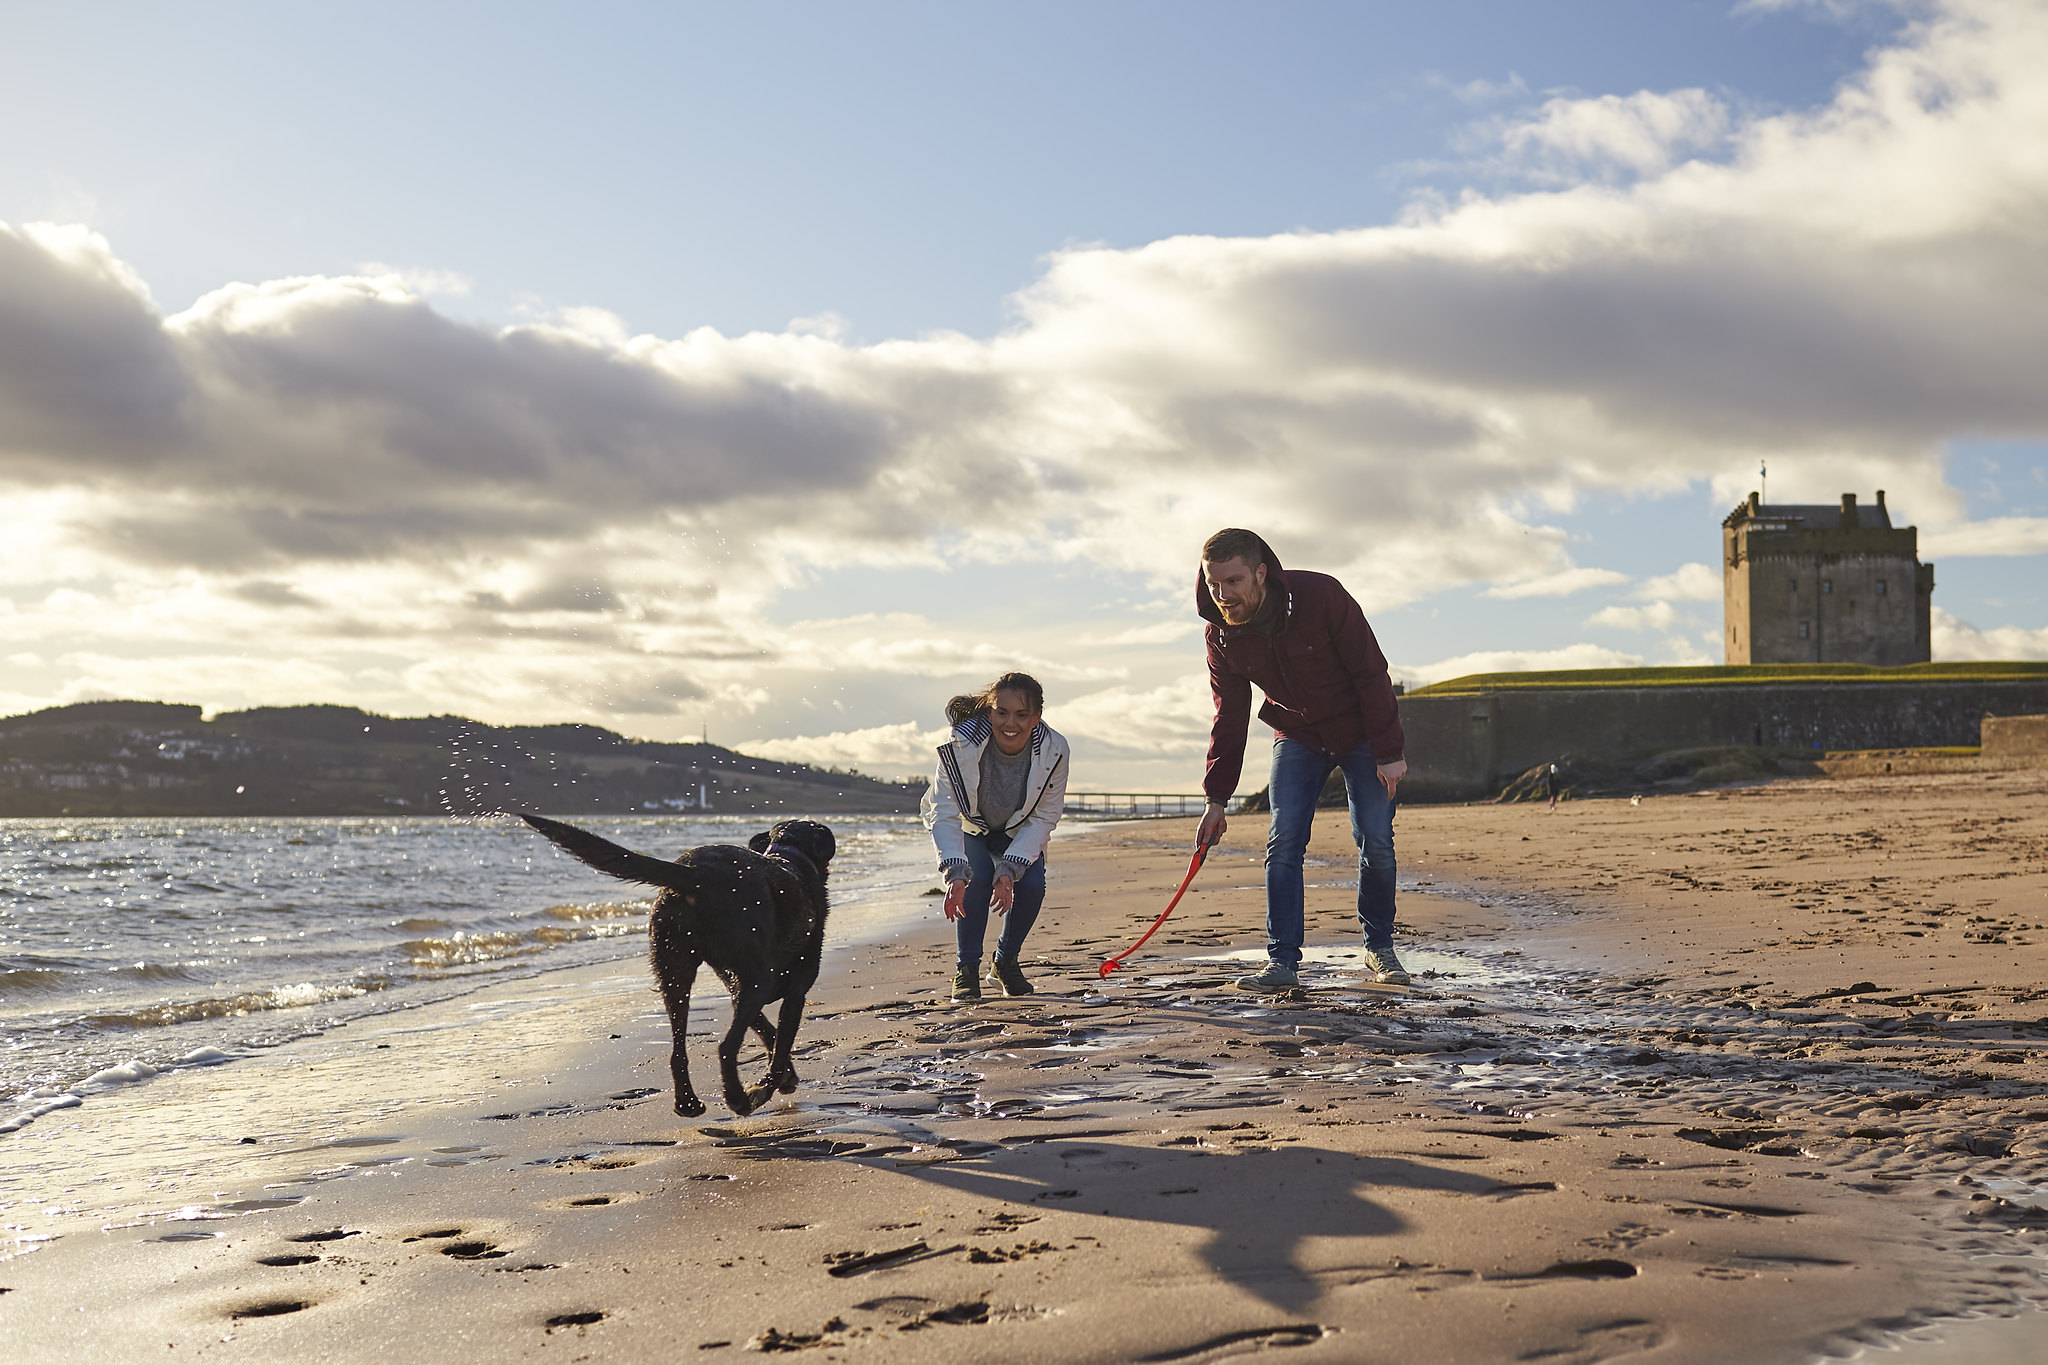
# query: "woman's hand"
{"type": "Point", "coordinates": [956, 893]}
{"type": "Point", "coordinates": [1004, 895]}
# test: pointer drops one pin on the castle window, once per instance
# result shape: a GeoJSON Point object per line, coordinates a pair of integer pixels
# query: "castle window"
{"type": "Point", "coordinates": [1802, 630]}
{"type": "Point", "coordinates": [1827, 585]}
{"type": "Point", "coordinates": [1792, 584]}
{"type": "Point", "coordinates": [1880, 587]}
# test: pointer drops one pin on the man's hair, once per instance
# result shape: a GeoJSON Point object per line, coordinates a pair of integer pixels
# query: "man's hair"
{"type": "Point", "coordinates": [1232, 543]}
{"type": "Point", "coordinates": [972, 704]}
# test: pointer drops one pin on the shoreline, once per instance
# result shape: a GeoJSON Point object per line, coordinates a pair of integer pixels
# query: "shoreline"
{"type": "Point", "coordinates": [1542, 1150]}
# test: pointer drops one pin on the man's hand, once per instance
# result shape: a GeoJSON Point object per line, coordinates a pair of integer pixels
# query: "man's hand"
{"type": "Point", "coordinates": [1391, 775]}
{"type": "Point", "coordinates": [1213, 824]}
{"type": "Point", "coordinates": [1004, 895]}
{"type": "Point", "coordinates": [956, 893]}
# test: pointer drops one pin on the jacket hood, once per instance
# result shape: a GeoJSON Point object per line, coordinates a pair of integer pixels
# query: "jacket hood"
{"type": "Point", "coordinates": [1205, 605]}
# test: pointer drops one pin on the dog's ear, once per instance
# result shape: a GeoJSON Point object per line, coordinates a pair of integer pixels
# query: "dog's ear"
{"type": "Point", "coordinates": [759, 843]}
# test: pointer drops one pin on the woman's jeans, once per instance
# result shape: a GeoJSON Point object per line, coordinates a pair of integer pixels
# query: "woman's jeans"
{"type": "Point", "coordinates": [983, 852]}
{"type": "Point", "coordinates": [1299, 772]}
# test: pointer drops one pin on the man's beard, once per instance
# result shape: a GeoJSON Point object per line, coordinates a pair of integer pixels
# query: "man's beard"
{"type": "Point", "coordinates": [1244, 613]}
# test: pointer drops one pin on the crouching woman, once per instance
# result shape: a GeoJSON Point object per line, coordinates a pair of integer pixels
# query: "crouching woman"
{"type": "Point", "coordinates": [999, 790]}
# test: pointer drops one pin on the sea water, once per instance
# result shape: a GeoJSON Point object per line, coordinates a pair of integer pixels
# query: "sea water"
{"type": "Point", "coordinates": [132, 946]}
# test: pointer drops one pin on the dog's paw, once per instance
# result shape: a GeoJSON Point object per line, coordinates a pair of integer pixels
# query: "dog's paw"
{"type": "Point", "coordinates": [689, 1106]}
{"type": "Point", "coordinates": [784, 1080]}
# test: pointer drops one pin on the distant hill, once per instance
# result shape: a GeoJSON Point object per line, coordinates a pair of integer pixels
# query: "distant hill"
{"type": "Point", "coordinates": [162, 758]}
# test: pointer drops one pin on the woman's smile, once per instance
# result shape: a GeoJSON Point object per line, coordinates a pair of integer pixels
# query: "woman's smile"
{"type": "Point", "coordinates": [1013, 719]}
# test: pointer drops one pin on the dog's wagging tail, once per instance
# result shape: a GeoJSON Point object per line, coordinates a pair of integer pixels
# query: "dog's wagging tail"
{"type": "Point", "coordinates": [754, 915]}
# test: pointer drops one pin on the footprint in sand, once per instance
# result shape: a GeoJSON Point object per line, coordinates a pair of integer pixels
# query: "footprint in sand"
{"type": "Point", "coordinates": [474, 1250]}
{"type": "Point", "coordinates": [1237, 1343]}
{"type": "Point", "coordinates": [603, 1199]}
{"type": "Point", "coordinates": [269, 1308]}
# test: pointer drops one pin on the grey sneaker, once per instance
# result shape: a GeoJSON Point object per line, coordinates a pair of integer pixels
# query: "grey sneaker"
{"type": "Point", "coordinates": [1011, 975]}
{"type": "Point", "coordinates": [1386, 967]}
{"type": "Point", "coordinates": [965, 986]}
{"type": "Point", "coordinates": [1277, 977]}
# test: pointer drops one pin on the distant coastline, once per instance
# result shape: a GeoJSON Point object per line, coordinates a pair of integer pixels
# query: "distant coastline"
{"type": "Point", "coordinates": [129, 758]}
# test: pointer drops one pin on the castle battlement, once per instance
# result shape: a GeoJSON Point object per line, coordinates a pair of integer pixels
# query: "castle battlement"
{"type": "Point", "coordinates": [1819, 583]}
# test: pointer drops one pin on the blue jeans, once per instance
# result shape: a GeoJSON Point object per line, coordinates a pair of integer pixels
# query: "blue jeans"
{"type": "Point", "coordinates": [1299, 772]}
{"type": "Point", "coordinates": [982, 852]}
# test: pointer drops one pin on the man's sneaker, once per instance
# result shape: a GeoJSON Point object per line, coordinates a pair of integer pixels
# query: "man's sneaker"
{"type": "Point", "coordinates": [965, 986]}
{"type": "Point", "coordinates": [1386, 967]}
{"type": "Point", "coordinates": [1011, 975]}
{"type": "Point", "coordinates": [1277, 977]}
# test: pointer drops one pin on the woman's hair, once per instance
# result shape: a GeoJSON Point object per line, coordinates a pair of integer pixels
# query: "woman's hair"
{"type": "Point", "coordinates": [970, 704]}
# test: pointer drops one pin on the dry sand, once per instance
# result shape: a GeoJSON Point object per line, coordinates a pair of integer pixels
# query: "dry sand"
{"type": "Point", "coordinates": [1746, 1076]}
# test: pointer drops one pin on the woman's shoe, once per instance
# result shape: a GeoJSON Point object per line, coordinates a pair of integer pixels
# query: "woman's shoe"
{"type": "Point", "coordinates": [1012, 976]}
{"type": "Point", "coordinates": [965, 986]}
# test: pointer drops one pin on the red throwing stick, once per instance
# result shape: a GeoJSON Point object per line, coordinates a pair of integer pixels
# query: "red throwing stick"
{"type": "Point", "coordinates": [1194, 865]}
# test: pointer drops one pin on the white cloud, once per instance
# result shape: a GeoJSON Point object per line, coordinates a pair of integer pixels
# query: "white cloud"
{"type": "Point", "coordinates": [1480, 90]}
{"type": "Point", "coordinates": [422, 279]}
{"type": "Point", "coordinates": [1560, 584]}
{"type": "Point", "coordinates": [889, 750]}
{"type": "Point", "coordinates": [1997, 536]}
{"type": "Point", "coordinates": [949, 659]}
{"type": "Point", "coordinates": [1515, 661]}
{"type": "Point", "coordinates": [1158, 633]}
{"type": "Point", "coordinates": [1640, 134]}
{"type": "Point", "coordinates": [336, 474]}
{"type": "Point", "coordinates": [246, 680]}
{"type": "Point", "coordinates": [1655, 616]}
{"type": "Point", "coordinates": [1686, 583]}
{"type": "Point", "coordinates": [1167, 721]}
{"type": "Point", "coordinates": [1956, 640]}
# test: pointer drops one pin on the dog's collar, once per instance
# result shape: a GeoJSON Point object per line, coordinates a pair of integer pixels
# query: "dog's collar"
{"type": "Point", "coordinates": [789, 851]}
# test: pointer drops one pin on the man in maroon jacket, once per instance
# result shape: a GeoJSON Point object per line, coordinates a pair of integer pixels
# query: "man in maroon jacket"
{"type": "Point", "coordinates": [1304, 641]}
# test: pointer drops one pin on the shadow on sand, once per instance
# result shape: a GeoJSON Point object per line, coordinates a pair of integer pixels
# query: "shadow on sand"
{"type": "Point", "coordinates": [1258, 1205]}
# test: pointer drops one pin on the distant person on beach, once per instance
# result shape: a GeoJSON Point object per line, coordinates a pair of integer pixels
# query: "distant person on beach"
{"type": "Point", "coordinates": [1550, 784]}
{"type": "Point", "coordinates": [1304, 641]}
{"type": "Point", "coordinates": [999, 790]}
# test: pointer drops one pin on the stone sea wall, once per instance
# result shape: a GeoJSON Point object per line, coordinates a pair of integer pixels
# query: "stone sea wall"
{"type": "Point", "coordinates": [1466, 746]}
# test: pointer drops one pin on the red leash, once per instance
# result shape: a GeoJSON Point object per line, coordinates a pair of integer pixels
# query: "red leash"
{"type": "Point", "coordinates": [1194, 865]}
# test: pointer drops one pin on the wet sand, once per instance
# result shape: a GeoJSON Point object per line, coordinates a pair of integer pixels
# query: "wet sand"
{"type": "Point", "coordinates": [1743, 1076]}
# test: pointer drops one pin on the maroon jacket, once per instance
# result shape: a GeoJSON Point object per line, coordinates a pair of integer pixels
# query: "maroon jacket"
{"type": "Point", "coordinates": [1324, 677]}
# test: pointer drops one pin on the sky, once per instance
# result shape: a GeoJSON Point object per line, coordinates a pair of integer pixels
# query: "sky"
{"type": "Point", "coordinates": [776, 371]}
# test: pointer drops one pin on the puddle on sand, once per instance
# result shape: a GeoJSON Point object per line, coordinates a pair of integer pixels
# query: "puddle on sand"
{"type": "Point", "coordinates": [1334, 965]}
{"type": "Point", "coordinates": [1964, 1341]}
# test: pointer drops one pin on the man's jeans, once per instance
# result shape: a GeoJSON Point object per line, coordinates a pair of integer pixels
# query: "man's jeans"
{"type": "Point", "coordinates": [970, 929]}
{"type": "Point", "coordinates": [1299, 772]}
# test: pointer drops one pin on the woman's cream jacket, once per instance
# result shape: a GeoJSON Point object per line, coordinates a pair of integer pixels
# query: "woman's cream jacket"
{"type": "Point", "coordinates": [951, 804]}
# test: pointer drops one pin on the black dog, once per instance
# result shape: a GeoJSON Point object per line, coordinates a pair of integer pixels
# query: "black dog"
{"type": "Point", "coordinates": [755, 914]}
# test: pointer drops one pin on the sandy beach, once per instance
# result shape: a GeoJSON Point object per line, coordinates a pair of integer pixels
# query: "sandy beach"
{"type": "Point", "coordinates": [1741, 1076]}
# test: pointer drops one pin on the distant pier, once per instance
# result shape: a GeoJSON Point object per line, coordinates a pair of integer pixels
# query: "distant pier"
{"type": "Point", "coordinates": [1134, 805]}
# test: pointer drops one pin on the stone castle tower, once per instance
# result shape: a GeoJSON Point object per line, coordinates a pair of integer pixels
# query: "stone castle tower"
{"type": "Point", "coordinates": [1813, 583]}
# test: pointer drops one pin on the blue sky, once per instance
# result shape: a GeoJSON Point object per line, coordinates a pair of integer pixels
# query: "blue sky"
{"type": "Point", "coordinates": [784, 368]}
{"type": "Point", "coordinates": [905, 166]}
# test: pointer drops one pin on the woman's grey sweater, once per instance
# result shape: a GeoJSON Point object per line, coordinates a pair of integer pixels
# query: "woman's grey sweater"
{"type": "Point", "coordinates": [1002, 784]}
